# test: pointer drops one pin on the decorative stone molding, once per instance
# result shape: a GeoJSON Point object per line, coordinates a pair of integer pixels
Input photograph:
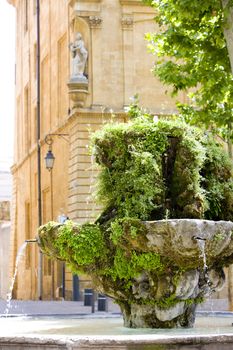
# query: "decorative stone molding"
{"type": "Point", "coordinates": [78, 91]}
{"type": "Point", "coordinates": [132, 2]}
{"type": "Point", "coordinates": [127, 22]}
{"type": "Point", "coordinates": [88, 10]}
{"type": "Point", "coordinates": [95, 21]}
{"type": "Point", "coordinates": [74, 2]}
{"type": "Point", "coordinates": [11, 2]}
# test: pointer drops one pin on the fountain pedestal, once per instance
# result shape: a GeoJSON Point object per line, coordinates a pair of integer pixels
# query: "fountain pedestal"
{"type": "Point", "coordinates": [151, 316]}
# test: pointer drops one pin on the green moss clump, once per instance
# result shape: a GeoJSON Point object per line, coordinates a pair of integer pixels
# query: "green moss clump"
{"type": "Point", "coordinates": [217, 181]}
{"type": "Point", "coordinates": [126, 230]}
{"type": "Point", "coordinates": [81, 246]}
{"type": "Point", "coordinates": [128, 266]}
{"type": "Point", "coordinates": [158, 170]}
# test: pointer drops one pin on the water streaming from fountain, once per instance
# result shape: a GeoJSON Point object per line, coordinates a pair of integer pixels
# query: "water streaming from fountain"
{"type": "Point", "coordinates": [20, 255]}
{"type": "Point", "coordinates": [201, 244]}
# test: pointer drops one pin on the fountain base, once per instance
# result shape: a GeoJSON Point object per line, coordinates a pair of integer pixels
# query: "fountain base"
{"type": "Point", "coordinates": [108, 333]}
{"type": "Point", "coordinates": [151, 316]}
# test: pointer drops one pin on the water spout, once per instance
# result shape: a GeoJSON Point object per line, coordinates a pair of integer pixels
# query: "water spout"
{"type": "Point", "coordinates": [34, 240]}
{"type": "Point", "coordinates": [197, 238]}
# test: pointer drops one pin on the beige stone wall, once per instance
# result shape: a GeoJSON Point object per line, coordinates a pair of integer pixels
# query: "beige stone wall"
{"type": "Point", "coordinates": [54, 111]}
{"type": "Point", "coordinates": [5, 211]}
{"type": "Point", "coordinates": [5, 228]}
{"type": "Point", "coordinates": [119, 66]}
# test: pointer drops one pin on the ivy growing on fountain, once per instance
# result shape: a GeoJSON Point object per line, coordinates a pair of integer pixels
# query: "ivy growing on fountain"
{"type": "Point", "coordinates": [167, 169]}
{"type": "Point", "coordinates": [147, 171]}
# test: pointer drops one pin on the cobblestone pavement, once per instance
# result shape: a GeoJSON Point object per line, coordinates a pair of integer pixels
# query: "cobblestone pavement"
{"type": "Point", "coordinates": [72, 308]}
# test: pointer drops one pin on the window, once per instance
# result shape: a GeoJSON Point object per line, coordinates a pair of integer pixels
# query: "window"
{"type": "Point", "coordinates": [47, 266]}
{"type": "Point", "coordinates": [35, 125]}
{"type": "Point", "coordinates": [34, 7]}
{"type": "Point", "coordinates": [46, 197]}
{"type": "Point", "coordinates": [28, 234]}
{"type": "Point", "coordinates": [27, 131]}
{"type": "Point", "coordinates": [25, 15]}
{"type": "Point", "coordinates": [35, 61]}
{"type": "Point", "coordinates": [18, 127]}
{"type": "Point", "coordinates": [62, 77]}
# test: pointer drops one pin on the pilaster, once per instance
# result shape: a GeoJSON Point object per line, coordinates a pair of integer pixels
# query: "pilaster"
{"type": "Point", "coordinates": [83, 171]}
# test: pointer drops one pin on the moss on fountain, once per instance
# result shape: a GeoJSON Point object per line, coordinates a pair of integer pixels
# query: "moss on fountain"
{"type": "Point", "coordinates": [152, 171]}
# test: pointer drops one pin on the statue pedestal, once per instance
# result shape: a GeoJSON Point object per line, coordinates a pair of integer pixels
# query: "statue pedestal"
{"type": "Point", "coordinates": [78, 90]}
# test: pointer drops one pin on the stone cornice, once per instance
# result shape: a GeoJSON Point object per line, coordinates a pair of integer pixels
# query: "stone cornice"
{"type": "Point", "coordinates": [132, 2]}
{"type": "Point", "coordinates": [95, 111]}
{"type": "Point", "coordinates": [88, 9]}
{"type": "Point", "coordinates": [13, 168]}
{"type": "Point", "coordinates": [11, 2]}
{"type": "Point", "coordinates": [72, 2]}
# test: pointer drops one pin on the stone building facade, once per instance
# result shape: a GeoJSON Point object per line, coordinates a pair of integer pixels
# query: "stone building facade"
{"type": "Point", "coordinates": [5, 191]}
{"type": "Point", "coordinates": [114, 65]}
{"type": "Point", "coordinates": [5, 227]}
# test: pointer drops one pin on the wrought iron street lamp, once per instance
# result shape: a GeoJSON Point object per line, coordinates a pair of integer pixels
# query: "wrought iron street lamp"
{"type": "Point", "coordinates": [49, 158]}
{"type": "Point", "coordinates": [49, 163]}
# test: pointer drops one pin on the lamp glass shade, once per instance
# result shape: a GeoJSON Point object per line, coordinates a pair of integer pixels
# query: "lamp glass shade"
{"type": "Point", "coordinates": [49, 160]}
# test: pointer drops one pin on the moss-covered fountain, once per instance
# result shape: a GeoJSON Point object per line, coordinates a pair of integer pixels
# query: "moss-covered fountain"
{"type": "Point", "coordinates": [165, 233]}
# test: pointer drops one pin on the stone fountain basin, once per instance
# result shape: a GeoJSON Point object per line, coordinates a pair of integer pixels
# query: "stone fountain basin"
{"type": "Point", "coordinates": [212, 333]}
{"type": "Point", "coordinates": [185, 240]}
{"type": "Point", "coordinates": [181, 241]}
{"type": "Point", "coordinates": [192, 254]}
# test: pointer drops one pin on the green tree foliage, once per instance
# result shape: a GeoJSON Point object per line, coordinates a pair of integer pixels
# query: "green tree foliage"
{"type": "Point", "coordinates": [191, 55]}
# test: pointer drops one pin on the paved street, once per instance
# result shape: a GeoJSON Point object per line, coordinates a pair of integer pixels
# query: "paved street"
{"type": "Point", "coordinates": [76, 308]}
{"type": "Point", "coordinates": [17, 307]}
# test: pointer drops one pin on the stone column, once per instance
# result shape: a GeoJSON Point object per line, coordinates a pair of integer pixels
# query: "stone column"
{"type": "Point", "coordinates": [95, 23]}
{"type": "Point", "coordinates": [127, 32]}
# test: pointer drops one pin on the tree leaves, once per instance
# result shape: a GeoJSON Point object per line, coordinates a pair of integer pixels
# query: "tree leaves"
{"type": "Point", "coordinates": [191, 53]}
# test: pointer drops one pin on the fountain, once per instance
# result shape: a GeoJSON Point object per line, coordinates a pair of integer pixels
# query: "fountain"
{"type": "Point", "coordinates": [159, 246]}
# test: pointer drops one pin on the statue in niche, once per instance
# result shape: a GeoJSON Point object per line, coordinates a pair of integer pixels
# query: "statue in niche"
{"type": "Point", "coordinates": [79, 58]}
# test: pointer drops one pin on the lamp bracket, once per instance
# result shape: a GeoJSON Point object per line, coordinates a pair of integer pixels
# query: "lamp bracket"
{"type": "Point", "coordinates": [49, 138]}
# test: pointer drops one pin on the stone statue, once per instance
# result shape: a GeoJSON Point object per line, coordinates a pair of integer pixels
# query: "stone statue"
{"type": "Point", "coordinates": [79, 58]}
